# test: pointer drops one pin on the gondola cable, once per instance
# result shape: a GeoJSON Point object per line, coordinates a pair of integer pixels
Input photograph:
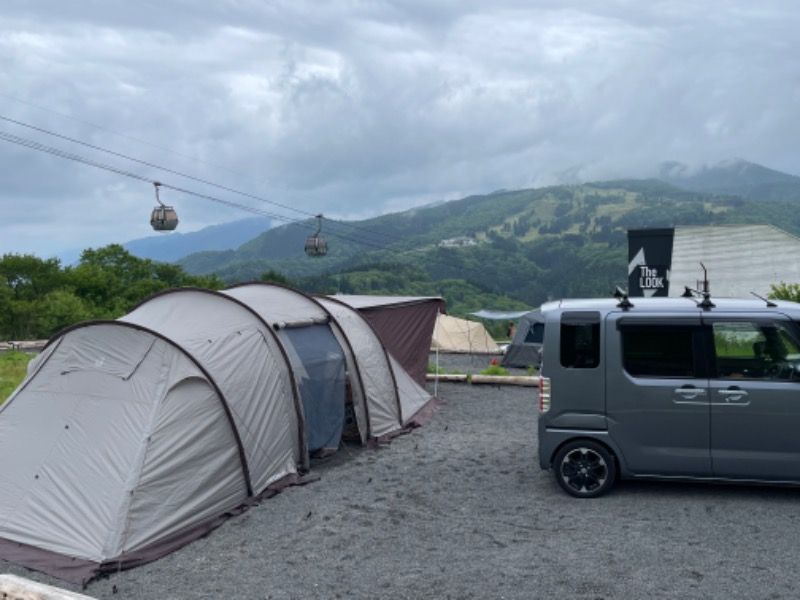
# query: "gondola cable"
{"type": "Point", "coordinates": [198, 179]}
{"type": "Point", "coordinates": [74, 157]}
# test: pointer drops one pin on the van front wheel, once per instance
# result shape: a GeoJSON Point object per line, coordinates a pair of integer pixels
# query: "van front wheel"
{"type": "Point", "coordinates": [585, 469]}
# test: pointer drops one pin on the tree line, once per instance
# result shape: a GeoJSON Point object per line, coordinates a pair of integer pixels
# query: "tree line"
{"type": "Point", "coordinates": [39, 297]}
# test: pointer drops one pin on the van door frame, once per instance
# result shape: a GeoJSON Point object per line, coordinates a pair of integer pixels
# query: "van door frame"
{"type": "Point", "coordinates": [660, 424]}
{"type": "Point", "coordinates": [754, 421]}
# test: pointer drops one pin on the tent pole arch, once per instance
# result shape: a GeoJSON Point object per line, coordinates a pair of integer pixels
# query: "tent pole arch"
{"type": "Point", "coordinates": [396, 388]}
{"type": "Point", "coordinates": [301, 426]}
{"type": "Point", "coordinates": [216, 388]}
{"type": "Point", "coordinates": [331, 319]}
{"type": "Point", "coordinates": [29, 378]}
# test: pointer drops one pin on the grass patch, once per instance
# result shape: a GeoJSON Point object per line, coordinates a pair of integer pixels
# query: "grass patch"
{"type": "Point", "coordinates": [13, 366]}
{"type": "Point", "coordinates": [432, 368]}
{"type": "Point", "coordinates": [494, 370]}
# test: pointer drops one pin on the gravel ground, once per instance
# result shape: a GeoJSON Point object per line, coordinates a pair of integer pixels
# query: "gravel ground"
{"type": "Point", "coordinates": [460, 509]}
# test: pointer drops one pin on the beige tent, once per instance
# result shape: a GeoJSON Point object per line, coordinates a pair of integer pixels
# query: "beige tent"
{"type": "Point", "coordinates": [131, 438]}
{"type": "Point", "coordinates": [458, 335]}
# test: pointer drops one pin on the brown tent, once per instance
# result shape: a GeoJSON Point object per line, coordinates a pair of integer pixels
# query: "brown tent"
{"type": "Point", "coordinates": [390, 317]}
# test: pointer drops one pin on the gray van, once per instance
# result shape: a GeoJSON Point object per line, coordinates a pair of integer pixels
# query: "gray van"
{"type": "Point", "coordinates": [669, 388]}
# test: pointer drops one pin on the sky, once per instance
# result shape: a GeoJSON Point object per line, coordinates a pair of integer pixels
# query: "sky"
{"type": "Point", "coordinates": [355, 108]}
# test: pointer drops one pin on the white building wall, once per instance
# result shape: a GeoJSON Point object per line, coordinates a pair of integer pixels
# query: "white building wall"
{"type": "Point", "coordinates": [740, 259]}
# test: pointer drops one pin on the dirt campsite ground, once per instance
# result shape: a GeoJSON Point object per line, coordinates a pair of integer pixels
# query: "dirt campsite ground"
{"type": "Point", "coordinates": [460, 509]}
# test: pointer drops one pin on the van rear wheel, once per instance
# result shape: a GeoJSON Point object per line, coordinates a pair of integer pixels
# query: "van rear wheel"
{"type": "Point", "coordinates": [585, 469]}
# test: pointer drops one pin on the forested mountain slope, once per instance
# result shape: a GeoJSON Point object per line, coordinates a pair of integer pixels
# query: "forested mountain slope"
{"type": "Point", "coordinates": [531, 244]}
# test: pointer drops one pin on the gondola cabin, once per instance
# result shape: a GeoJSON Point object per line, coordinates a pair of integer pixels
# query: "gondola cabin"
{"type": "Point", "coordinates": [316, 244]}
{"type": "Point", "coordinates": [164, 218]}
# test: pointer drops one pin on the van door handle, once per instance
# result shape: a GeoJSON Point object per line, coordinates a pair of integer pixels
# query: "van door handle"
{"type": "Point", "coordinates": [733, 394]}
{"type": "Point", "coordinates": [690, 392]}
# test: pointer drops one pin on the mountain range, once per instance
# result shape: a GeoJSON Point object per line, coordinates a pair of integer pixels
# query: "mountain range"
{"type": "Point", "coordinates": [735, 177]}
{"type": "Point", "coordinates": [172, 246]}
{"type": "Point", "coordinates": [176, 245]}
{"type": "Point", "coordinates": [518, 243]}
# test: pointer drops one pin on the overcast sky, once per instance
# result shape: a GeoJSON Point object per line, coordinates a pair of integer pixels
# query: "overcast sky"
{"type": "Point", "coordinates": [354, 108]}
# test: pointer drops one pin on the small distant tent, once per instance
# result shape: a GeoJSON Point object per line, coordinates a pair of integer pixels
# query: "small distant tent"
{"type": "Point", "coordinates": [526, 346]}
{"type": "Point", "coordinates": [131, 438]}
{"type": "Point", "coordinates": [455, 335]}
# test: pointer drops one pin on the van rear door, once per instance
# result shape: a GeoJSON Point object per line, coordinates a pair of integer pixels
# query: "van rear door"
{"type": "Point", "coordinates": [657, 397]}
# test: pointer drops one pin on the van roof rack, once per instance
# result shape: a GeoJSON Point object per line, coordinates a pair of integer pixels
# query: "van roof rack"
{"type": "Point", "coordinates": [705, 303]}
{"type": "Point", "coordinates": [622, 296]}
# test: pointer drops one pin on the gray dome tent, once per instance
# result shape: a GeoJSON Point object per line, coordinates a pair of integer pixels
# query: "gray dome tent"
{"type": "Point", "coordinates": [131, 438]}
{"type": "Point", "coordinates": [525, 349]}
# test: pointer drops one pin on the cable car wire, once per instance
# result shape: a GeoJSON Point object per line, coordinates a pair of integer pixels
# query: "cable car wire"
{"type": "Point", "coordinates": [191, 177]}
{"type": "Point", "coordinates": [74, 157]}
{"type": "Point", "coordinates": [130, 137]}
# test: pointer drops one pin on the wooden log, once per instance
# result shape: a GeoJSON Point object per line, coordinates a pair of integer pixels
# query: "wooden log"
{"type": "Point", "coordinates": [456, 377]}
{"type": "Point", "coordinates": [24, 346]}
{"type": "Point", "coordinates": [506, 380]}
{"type": "Point", "coordinates": [19, 588]}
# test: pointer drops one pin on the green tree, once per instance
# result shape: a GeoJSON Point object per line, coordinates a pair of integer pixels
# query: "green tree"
{"type": "Point", "coordinates": [785, 291]}
{"type": "Point", "coordinates": [6, 302]}
{"type": "Point", "coordinates": [100, 287]}
{"type": "Point", "coordinates": [23, 321]}
{"type": "Point", "coordinates": [113, 281]}
{"type": "Point", "coordinates": [24, 279]}
{"type": "Point", "coordinates": [38, 298]}
{"type": "Point", "coordinates": [275, 277]}
{"type": "Point", "coordinates": [60, 309]}
{"type": "Point", "coordinates": [28, 276]}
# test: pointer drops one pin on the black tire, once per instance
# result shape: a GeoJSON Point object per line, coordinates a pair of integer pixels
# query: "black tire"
{"type": "Point", "coordinates": [584, 469]}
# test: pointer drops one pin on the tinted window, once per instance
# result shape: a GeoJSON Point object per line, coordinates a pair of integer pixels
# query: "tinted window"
{"type": "Point", "coordinates": [754, 350]}
{"type": "Point", "coordinates": [658, 350]}
{"type": "Point", "coordinates": [580, 340]}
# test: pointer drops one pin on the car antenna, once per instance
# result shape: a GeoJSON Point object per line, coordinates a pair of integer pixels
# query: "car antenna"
{"type": "Point", "coordinates": [622, 296]}
{"type": "Point", "coordinates": [706, 302]}
{"type": "Point", "coordinates": [769, 302]}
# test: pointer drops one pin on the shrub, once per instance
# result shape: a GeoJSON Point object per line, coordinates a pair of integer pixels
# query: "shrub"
{"type": "Point", "coordinates": [13, 366]}
{"type": "Point", "coordinates": [494, 370]}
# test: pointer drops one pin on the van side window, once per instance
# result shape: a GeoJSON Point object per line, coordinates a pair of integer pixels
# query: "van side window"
{"type": "Point", "coordinates": [580, 340]}
{"type": "Point", "coordinates": [754, 350]}
{"type": "Point", "coordinates": [658, 350]}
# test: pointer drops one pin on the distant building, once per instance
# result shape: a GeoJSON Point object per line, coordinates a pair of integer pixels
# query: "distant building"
{"type": "Point", "coordinates": [738, 259]}
{"type": "Point", "coordinates": [458, 242]}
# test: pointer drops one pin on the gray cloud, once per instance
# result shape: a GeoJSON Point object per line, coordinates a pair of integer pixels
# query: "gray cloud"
{"type": "Point", "coordinates": [353, 109]}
